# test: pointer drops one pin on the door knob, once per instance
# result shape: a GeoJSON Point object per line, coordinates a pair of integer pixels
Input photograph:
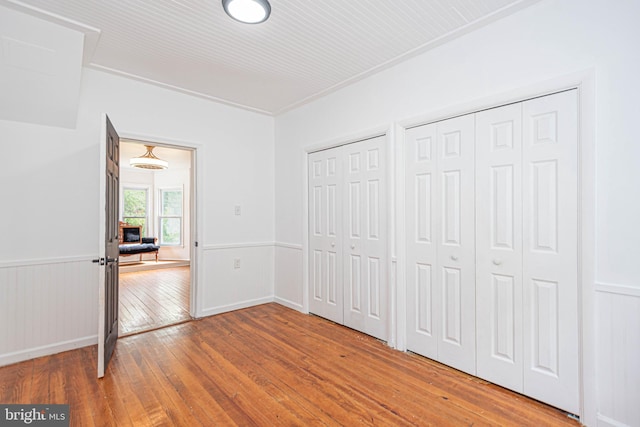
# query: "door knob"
{"type": "Point", "coordinates": [497, 261]}
{"type": "Point", "coordinates": [353, 246]}
{"type": "Point", "coordinates": [333, 244]}
{"type": "Point", "coordinates": [454, 257]}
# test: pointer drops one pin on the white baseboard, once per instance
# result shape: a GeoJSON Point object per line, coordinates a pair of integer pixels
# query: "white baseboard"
{"type": "Point", "coordinates": [289, 304]}
{"type": "Point", "coordinates": [237, 306]}
{"type": "Point", "coordinates": [46, 350]}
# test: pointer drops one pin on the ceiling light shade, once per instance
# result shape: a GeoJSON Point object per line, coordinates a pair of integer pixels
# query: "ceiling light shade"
{"type": "Point", "coordinates": [247, 11]}
{"type": "Point", "coordinates": [148, 160]}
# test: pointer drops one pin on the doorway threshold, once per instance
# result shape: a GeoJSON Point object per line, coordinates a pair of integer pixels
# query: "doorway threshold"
{"type": "Point", "coordinates": [130, 267]}
{"type": "Point", "coordinates": [155, 328]}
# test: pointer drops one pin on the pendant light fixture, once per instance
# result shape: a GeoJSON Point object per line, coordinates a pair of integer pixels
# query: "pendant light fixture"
{"type": "Point", "coordinates": [148, 160]}
{"type": "Point", "coordinates": [247, 11]}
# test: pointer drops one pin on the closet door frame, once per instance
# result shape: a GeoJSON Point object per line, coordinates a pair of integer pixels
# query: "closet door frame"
{"type": "Point", "coordinates": [584, 82]}
{"type": "Point", "coordinates": [390, 257]}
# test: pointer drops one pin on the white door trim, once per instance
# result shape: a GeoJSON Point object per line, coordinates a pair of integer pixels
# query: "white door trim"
{"type": "Point", "coordinates": [196, 213]}
{"type": "Point", "coordinates": [584, 81]}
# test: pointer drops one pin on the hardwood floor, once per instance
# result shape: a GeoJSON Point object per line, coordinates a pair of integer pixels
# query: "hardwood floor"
{"type": "Point", "coordinates": [153, 299]}
{"type": "Point", "coordinates": [266, 365]}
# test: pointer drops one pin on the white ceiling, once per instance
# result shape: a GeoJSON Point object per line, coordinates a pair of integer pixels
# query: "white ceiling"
{"type": "Point", "coordinates": [305, 50]}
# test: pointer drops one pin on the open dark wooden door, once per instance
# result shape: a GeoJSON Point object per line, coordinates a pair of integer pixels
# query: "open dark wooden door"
{"type": "Point", "coordinates": [108, 295]}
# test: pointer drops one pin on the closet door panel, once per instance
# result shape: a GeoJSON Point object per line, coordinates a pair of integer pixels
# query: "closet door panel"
{"type": "Point", "coordinates": [455, 273]}
{"type": "Point", "coordinates": [423, 308]}
{"type": "Point", "coordinates": [325, 246]}
{"type": "Point", "coordinates": [499, 245]}
{"type": "Point", "coordinates": [550, 237]}
{"type": "Point", "coordinates": [492, 284]}
{"type": "Point", "coordinates": [365, 244]}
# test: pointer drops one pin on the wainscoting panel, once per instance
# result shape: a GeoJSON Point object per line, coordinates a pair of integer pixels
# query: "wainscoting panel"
{"type": "Point", "coordinates": [618, 355]}
{"type": "Point", "coordinates": [47, 306]}
{"type": "Point", "coordinates": [236, 276]}
{"type": "Point", "coordinates": [288, 275]}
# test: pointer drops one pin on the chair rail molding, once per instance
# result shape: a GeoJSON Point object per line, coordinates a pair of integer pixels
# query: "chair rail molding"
{"type": "Point", "coordinates": [626, 290]}
{"type": "Point", "coordinates": [46, 261]}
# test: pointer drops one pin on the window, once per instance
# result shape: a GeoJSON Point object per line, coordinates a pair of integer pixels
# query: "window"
{"type": "Point", "coordinates": [170, 218]}
{"type": "Point", "coordinates": [135, 210]}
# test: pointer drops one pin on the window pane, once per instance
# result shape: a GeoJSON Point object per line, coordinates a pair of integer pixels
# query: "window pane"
{"type": "Point", "coordinates": [135, 203]}
{"type": "Point", "coordinates": [170, 231]}
{"type": "Point", "coordinates": [171, 203]}
{"type": "Point", "coordinates": [135, 207]}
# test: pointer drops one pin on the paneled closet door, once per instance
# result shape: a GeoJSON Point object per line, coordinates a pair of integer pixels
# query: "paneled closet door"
{"type": "Point", "coordinates": [325, 235]}
{"type": "Point", "coordinates": [526, 197]}
{"type": "Point", "coordinates": [550, 246]}
{"type": "Point", "coordinates": [456, 272]}
{"type": "Point", "coordinates": [365, 242]}
{"type": "Point", "coordinates": [423, 294]}
{"type": "Point", "coordinates": [441, 242]}
{"type": "Point", "coordinates": [499, 245]}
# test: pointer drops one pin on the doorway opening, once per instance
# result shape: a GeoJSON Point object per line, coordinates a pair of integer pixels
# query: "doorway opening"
{"type": "Point", "coordinates": [155, 287]}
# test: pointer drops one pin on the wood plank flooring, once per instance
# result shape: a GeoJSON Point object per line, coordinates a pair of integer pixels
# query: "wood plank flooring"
{"type": "Point", "coordinates": [153, 299]}
{"type": "Point", "coordinates": [265, 366]}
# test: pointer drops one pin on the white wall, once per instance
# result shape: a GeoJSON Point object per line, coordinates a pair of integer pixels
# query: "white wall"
{"type": "Point", "coordinates": [236, 168]}
{"type": "Point", "coordinates": [39, 70]}
{"type": "Point", "coordinates": [550, 39]}
{"type": "Point", "coordinates": [50, 193]}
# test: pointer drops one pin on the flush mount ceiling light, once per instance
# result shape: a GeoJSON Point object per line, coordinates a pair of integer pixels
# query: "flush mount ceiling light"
{"type": "Point", "coordinates": [247, 11]}
{"type": "Point", "coordinates": [148, 160]}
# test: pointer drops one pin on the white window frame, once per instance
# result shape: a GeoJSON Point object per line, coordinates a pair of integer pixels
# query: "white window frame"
{"type": "Point", "coordinates": [161, 217]}
{"type": "Point", "coordinates": [148, 209]}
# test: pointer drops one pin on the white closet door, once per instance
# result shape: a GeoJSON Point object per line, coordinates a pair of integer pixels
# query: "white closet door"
{"type": "Point", "coordinates": [365, 243]}
{"type": "Point", "coordinates": [506, 288]}
{"type": "Point", "coordinates": [499, 245]}
{"type": "Point", "coordinates": [456, 242]}
{"type": "Point", "coordinates": [325, 234]}
{"type": "Point", "coordinates": [441, 242]}
{"type": "Point", "coordinates": [550, 171]}
{"type": "Point", "coordinates": [423, 294]}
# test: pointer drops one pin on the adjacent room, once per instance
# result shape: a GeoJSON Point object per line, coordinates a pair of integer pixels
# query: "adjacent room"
{"type": "Point", "coordinates": [270, 212]}
{"type": "Point", "coordinates": [155, 251]}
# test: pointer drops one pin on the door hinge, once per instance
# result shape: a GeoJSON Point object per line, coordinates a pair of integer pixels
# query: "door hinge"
{"type": "Point", "coordinates": [196, 244]}
{"type": "Point", "coordinates": [98, 261]}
